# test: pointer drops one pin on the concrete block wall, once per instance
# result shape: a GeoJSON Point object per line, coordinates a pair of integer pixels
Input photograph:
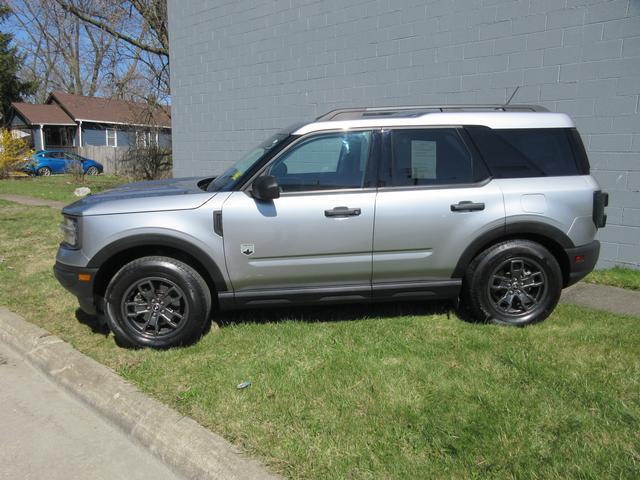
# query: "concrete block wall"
{"type": "Point", "coordinates": [242, 69]}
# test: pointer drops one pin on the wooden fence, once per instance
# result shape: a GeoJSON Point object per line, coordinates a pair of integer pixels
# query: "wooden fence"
{"type": "Point", "coordinates": [112, 158]}
{"type": "Point", "coordinates": [115, 161]}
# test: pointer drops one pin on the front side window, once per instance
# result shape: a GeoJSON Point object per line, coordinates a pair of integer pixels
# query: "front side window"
{"type": "Point", "coordinates": [324, 162]}
{"type": "Point", "coordinates": [112, 140]}
{"type": "Point", "coordinates": [430, 156]}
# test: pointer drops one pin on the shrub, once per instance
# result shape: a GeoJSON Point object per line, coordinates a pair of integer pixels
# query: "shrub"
{"type": "Point", "coordinates": [12, 151]}
{"type": "Point", "coordinates": [148, 162]}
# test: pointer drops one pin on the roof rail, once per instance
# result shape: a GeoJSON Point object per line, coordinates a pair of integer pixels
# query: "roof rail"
{"type": "Point", "coordinates": [414, 110]}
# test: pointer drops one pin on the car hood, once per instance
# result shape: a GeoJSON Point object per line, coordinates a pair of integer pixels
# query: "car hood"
{"type": "Point", "coordinates": [151, 196]}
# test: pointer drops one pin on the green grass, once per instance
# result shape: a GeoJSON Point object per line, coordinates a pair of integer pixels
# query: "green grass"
{"type": "Point", "coordinates": [57, 187]}
{"type": "Point", "coordinates": [373, 392]}
{"type": "Point", "coordinates": [616, 277]}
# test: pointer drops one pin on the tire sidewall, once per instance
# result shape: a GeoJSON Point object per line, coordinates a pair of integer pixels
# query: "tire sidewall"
{"type": "Point", "coordinates": [526, 250]}
{"type": "Point", "coordinates": [182, 277]}
{"type": "Point", "coordinates": [43, 172]}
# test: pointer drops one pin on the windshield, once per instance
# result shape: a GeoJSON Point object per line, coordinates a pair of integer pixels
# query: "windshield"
{"type": "Point", "coordinates": [228, 179]}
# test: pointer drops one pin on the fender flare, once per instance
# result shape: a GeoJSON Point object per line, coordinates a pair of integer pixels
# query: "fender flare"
{"type": "Point", "coordinates": [537, 229]}
{"type": "Point", "coordinates": [160, 240]}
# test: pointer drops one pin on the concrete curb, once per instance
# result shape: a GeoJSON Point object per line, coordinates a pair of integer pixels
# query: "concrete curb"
{"type": "Point", "coordinates": [178, 441]}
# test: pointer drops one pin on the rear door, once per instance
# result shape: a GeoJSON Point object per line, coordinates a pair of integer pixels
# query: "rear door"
{"type": "Point", "coordinates": [71, 164]}
{"type": "Point", "coordinates": [435, 197]}
{"type": "Point", "coordinates": [316, 238]}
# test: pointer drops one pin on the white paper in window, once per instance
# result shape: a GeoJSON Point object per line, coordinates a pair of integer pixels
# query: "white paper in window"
{"type": "Point", "coordinates": [423, 159]}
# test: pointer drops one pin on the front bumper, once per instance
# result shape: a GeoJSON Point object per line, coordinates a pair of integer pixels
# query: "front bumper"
{"type": "Point", "coordinates": [582, 260]}
{"type": "Point", "coordinates": [74, 280]}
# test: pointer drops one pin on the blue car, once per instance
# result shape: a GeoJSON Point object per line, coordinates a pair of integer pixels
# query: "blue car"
{"type": "Point", "coordinates": [47, 162]}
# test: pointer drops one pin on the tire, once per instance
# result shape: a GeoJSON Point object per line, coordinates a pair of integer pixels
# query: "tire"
{"type": "Point", "coordinates": [516, 283]}
{"type": "Point", "coordinates": [157, 302]}
{"type": "Point", "coordinates": [43, 172]}
{"type": "Point", "coordinates": [93, 171]}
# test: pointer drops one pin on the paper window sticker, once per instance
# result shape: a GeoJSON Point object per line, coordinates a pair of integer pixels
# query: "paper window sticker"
{"type": "Point", "coordinates": [423, 159]}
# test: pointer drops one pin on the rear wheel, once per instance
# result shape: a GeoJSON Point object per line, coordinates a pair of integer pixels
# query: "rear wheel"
{"type": "Point", "coordinates": [516, 282]}
{"type": "Point", "coordinates": [43, 171]}
{"type": "Point", "coordinates": [93, 170]}
{"type": "Point", "coordinates": [157, 302]}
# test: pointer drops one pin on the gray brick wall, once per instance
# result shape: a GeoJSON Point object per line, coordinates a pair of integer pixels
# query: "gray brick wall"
{"type": "Point", "coordinates": [241, 69]}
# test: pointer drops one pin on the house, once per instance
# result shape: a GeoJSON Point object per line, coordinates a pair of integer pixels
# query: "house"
{"type": "Point", "coordinates": [69, 121]}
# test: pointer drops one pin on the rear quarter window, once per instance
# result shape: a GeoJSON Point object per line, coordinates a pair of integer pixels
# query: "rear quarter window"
{"type": "Point", "coordinates": [535, 152]}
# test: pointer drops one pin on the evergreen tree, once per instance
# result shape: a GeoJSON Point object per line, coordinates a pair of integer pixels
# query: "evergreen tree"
{"type": "Point", "coordinates": [12, 89]}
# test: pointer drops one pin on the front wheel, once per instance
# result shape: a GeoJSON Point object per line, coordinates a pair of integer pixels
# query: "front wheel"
{"type": "Point", "coordinates": [516, 282]}
{"type": "Point", "coordinates": [157, 302]}
{"type": "Point", "coordinates": [43, 171]}
{"type": "Point", "coordinates": [93, 170]}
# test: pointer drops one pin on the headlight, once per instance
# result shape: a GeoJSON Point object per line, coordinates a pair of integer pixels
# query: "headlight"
{"type": "Point", "coordinates": [69, 227]}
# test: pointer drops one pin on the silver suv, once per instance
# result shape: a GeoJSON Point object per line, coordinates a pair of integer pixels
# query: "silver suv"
{"type": "Point", "coordinates": [491, 205]}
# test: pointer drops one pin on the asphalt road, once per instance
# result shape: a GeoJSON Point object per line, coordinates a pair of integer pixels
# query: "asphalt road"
{"type": "Point", "coordinates": [45, 433]}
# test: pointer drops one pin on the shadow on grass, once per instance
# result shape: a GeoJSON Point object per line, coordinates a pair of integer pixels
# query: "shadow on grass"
{"type": "Point", "coordinates": [334, 313]}
{"type": "Point", "coordinates": [96, 323]}
{"type": "Point", "coordinates": [310, 314]}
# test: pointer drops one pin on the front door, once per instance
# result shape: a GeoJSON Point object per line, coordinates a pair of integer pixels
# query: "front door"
{"type": "Point", "coordinates": [317, 236]}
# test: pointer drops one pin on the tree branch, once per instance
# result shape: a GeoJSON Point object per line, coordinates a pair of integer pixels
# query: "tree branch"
{"type": "Point", "coordinates": [103, 26]}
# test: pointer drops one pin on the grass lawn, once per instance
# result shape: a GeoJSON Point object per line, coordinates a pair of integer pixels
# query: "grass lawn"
{"type": "Point", "coordinates": [57, 187]}
{"type": "Point", "coordinates": [373, 392]}
{"type": "Point", "coordinates": [617, 277]}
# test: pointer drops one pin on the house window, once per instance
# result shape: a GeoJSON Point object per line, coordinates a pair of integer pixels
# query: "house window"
{"type": "Point", "coordinates": [112, 139]}
{"type": "Point", "coordinates": [146, 138]}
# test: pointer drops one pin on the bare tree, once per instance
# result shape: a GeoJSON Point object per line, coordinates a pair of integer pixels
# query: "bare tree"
{"type": "Point", "coordinates": [66, 52]}
{"type": "Point", "coordinates": [141, 26]}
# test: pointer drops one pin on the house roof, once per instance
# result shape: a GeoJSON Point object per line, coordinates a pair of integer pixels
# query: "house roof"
{"type": "Point", "coordinates": [107, 110]}
{"type": "Point", "coordinates": [42, 114]}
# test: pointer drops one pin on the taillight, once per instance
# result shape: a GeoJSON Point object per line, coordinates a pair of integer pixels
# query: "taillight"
{"type": "Point", "coordinates": [600, 200]}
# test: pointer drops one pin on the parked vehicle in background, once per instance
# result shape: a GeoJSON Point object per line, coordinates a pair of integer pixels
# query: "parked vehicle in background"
{"type": "Point", "coordinates": [491, 205]}
{"type": "Point", "coordinates": [48, 162]}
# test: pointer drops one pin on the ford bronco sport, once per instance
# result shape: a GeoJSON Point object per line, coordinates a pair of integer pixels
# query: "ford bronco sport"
{"type": "Point", "coordinates": [491, 205]}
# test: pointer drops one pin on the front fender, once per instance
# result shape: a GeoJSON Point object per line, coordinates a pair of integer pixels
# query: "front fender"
{"type": "Point", "coordinates": [161, 239]}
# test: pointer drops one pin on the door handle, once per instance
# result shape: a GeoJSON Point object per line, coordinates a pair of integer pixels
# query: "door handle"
{"type": "Point", "coordinates": [342, 212]}
{"type": "Point", "coordinates": [467, 206]}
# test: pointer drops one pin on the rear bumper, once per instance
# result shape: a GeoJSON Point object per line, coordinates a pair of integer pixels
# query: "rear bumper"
{"type": "Point", "coordinates": [69, 278]}
{"type": "Point", "coordinates": [582, 260]}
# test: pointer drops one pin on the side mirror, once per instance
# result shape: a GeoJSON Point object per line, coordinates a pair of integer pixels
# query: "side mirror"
{"type": "Point", "coordinates": [265, 188]}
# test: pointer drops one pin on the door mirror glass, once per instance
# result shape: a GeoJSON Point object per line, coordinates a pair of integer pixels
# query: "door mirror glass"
{"type": "Point", "coordinates": [265, 188]}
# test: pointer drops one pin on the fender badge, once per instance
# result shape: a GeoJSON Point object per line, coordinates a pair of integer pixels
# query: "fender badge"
{"type": "Point", "coordinates": [247, 248]}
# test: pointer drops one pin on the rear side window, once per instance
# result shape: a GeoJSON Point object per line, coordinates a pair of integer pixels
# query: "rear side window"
{"type": "Point", "coordinates": [430, 156]}
{"type": "Point", "coordinates": [535, 152]}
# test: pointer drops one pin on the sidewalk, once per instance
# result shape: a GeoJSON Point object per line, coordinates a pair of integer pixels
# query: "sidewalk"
{"type": "Point", "coordinates": [47, 433]}
{"type": "Point", "coordinates": [602, 297]}
{"type": "Point", "coordinates": [173, 439]}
